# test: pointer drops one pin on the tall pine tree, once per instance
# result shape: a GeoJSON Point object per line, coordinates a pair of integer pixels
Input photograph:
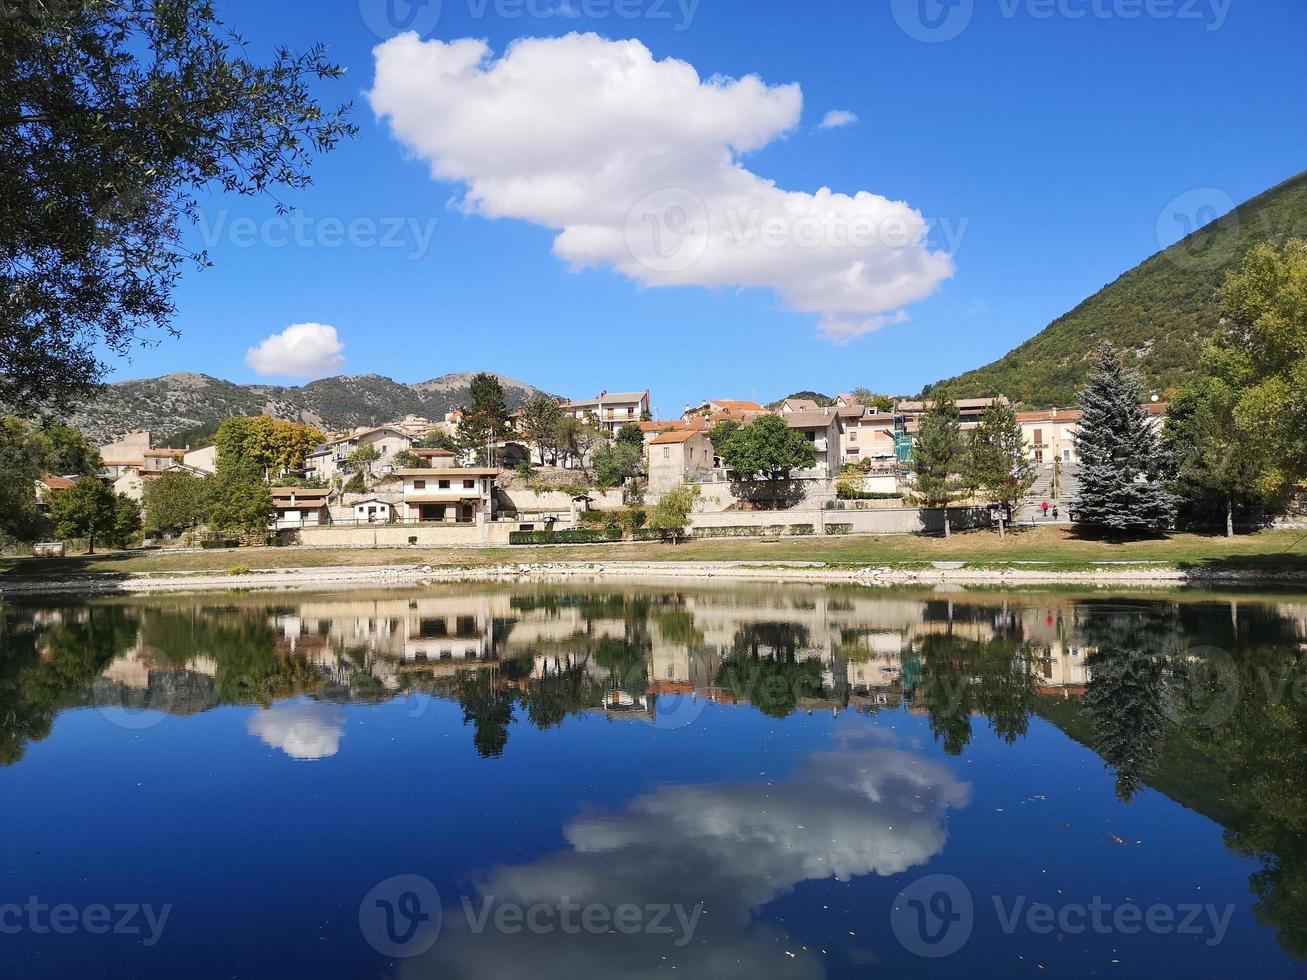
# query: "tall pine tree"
{"type": "Point", "coordinates": [1000, 466]}
{"type": "Point", "coordinates": [1122, 459]}
{"type": "Point", "coordinates": [939, 459]}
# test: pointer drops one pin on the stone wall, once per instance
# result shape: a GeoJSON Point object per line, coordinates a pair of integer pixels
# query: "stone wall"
{"type": "Point", "coordinates": [406, 536]}
{"type": "Point", "coordinates": [884, 521]}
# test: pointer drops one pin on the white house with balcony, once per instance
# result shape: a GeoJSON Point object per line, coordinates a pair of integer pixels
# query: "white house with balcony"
{"type": "Point", "coordinates": [611, 410]}
{"type": "Point", "coordinates": [332, 458]}
{"type": "Point", "coordinates": [462, 495]}
{"type": "Point", "coordinates": [822, 429]}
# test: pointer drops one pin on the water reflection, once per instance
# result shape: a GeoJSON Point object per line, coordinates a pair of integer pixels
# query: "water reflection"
{"type": "Point", "coordinates": [1204, 701]}
{"type": "Point", "coordinates": [715, 854]}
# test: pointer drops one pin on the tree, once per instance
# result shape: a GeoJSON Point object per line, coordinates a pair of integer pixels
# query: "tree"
{"type": "Point", "coordinates": [27, 454]}
{"type": "Point", "coordinates": [241, 500]}
{"type": "Point", "coordinates": [672, 513]}
{"type": "Point", "coordinates": [409, 460]}
{"type": "Point", "coordinates": [126, 520]}
{"type": "Point", "coordinates": [1261, 356]}
{"type": "Point", "coordinates": [20, 462]}
{"type": "Point", "coordinates": [869, 399]}
{"type": "Point", "coordinates": [363, 456]}
{"type": "Point", "coordinates": [437, 440]}
{"type": "Point", "coordinates": [66, 452]}
{"type": "Point", "coordinates": [275, 446]}
{"type": "Point", "coordinates": [175, 502]}
{"type": "Point", "coordinates": [616, 462]}
{"type": "Point", "coordinates": [114, 119]}
{"type": "Point", "coordinates": [485, 419]}
{"type": "Point", "coordinates": [87, 509]}
{"type": "Point", "coordinates": [1122, 460]}
{"type": "Point", "coordinates": [576, 440]}
{"type": "Point", "coordinates": [630, 434]}
{"type": "Point", "coordinates": [999, 464]}
{"type": "Point", "coordinates": [540, 425]}
{"type": "Point", "coordinates": [939, 459]}
{"type": "Point", "coordinates": [1218, 470]}
{"type": "Point", "coordinates": [769, 451]}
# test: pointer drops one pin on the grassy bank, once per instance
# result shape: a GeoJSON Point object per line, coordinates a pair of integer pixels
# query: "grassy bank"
{"type": "Point", "coordinates": [1055, 548]}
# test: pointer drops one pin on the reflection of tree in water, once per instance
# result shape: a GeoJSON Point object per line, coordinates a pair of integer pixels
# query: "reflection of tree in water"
{"type": "Point", "coordinates": [566, 690]}
{"type": "Point", "coordinates": [488, 706]}
{"type": "Point", "coordinates": [1128, 687]}
{"type": "Point", "coordinates": [1262, 748]}
{"type": "Point", "coordinates": [765, 668]}
{"type": "Point", "coordinates": [957, 677]}
{"type": "Point", "coordinates": [243, 646]}
{"type": "Point", "coordinates": [33, 688]}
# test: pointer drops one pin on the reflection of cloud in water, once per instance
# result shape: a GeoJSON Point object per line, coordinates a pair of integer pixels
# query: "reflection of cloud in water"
{"type": "Point", "coordinates": [861, 809]}
{"type": "Point", "coordinates": [302, 731]}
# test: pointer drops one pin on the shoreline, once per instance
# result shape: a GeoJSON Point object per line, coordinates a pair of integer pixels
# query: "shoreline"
{"type": "Point", "coordinates": [1134, 574]}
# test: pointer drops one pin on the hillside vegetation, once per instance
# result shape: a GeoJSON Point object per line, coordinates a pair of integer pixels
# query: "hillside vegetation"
{"type": "Point", "coordinates": [187, 407]}
{"type": "Point", "coordinates": [1162, 311]}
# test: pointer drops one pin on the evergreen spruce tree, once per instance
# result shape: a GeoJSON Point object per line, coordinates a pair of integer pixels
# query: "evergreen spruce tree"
{"type": "Point", "coordinates": [939, 459]}
{"type": "Point", "coordinates": [1000, 466]}
{"type": "Point", "coordinates": [1122, 459]}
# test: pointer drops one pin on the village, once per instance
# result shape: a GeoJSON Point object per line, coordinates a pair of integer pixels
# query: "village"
{"type": "Point", "coordinates": [558, 471]}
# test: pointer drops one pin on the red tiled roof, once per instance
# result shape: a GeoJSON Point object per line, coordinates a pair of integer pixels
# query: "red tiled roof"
{"type": "Point", "coordinates": [680, 435]}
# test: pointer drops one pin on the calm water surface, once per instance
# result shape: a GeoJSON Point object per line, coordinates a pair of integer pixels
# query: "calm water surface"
{"type": "Point", "coordinates": [580, 781]}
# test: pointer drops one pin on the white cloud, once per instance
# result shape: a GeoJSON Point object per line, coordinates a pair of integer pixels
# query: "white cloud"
{"type": "Point", "coordinates": [837, 118]}
{"type": "Point", "coordinates": [735, 847]}
{"type": "Point", "coordinates": [637, 164]}
{"type": "Point", "coordinates": [304, 350]}
{"type": "Point", "coordinates": [302, 731]}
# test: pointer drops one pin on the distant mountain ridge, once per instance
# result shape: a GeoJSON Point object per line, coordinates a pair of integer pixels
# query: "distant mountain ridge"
{"type": "Point", "coordinates": [1161, 312]}
{"type": "Point", "coordinates": [181, 404]}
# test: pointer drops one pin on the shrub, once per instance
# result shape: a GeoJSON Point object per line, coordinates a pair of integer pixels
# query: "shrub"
{"type": "Point", "coordinates": [839, 528]}
{"type": "Point", "coordinates": [800, 530]}
{"type": "Point", "coordinates": [220, 543]}
{"type": "Point", "coordinates": [649, 534]}
{"type": "Point", "coordinates": [578, 536]}
{"type": "Point", "coordinates": [238, 570]}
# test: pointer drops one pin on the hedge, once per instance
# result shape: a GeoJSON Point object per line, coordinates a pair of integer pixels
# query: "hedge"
{"type": "Point", "coordinates": [755, 531]}
{"type": "Point", "coordinates": [220, 543]}
{"type": "Point", "coordinates": [839, 528]}
{"type": "Point", "coordinates": [579, 536]}
{"type": "Point", "coordinates": [843, 494]}
{"type": "Point", "coordinates": [649, 534]}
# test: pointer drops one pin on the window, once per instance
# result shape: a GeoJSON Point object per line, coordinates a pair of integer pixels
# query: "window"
{"type": "Point", "coordinates": [469, 484]}
{"type": "Point", "coordinates": [853, 435]}
{"type": "Point", "coordinates": [419, 484]}
{"type": "Point", "coordinates": [1039, 437]}
{"type": "Point", "coordinates": [667, 452]}
{"type": "Point", "coordinates": [443, 485]}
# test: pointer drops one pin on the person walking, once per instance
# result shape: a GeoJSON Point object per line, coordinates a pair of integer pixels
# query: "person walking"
{"type": "Point", "coordinates": [1045, 510]}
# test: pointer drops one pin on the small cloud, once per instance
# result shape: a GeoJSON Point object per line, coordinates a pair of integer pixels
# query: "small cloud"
{"type": "Point", "coordinates": [977, 306]}
{"type": "Point", "coordinates": [303, 731]}
{"type": "Point", "coordinates": [842, 329]}
{"type": "Point", "coordinates": [837, 118]}
{"type": "Point", "coordinates": [304, 350]}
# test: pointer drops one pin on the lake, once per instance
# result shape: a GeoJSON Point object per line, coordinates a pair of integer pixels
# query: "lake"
{"type": "Point", "coordinates": [612, 781]}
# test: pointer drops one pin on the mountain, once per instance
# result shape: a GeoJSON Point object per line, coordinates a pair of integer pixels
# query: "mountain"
{"type": "Point", "coordinates": [184, 407]}
{"type": "Point", "coordinates": [1162, 311]}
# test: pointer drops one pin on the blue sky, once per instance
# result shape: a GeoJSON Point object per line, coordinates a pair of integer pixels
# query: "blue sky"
{"type": "Point", "coordinates": [1047, 144]}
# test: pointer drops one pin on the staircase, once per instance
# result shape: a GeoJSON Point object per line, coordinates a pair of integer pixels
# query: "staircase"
{"type": "Point", "coordinates": [1031, 508]}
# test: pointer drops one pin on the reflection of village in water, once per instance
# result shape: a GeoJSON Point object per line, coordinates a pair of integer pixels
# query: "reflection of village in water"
{"type": "Point", "coordinates": [618, 652]}
{"type": "Point", "coordinates": [1200, 698]}
{"type": "Point", "coordinates": [563, 650]}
